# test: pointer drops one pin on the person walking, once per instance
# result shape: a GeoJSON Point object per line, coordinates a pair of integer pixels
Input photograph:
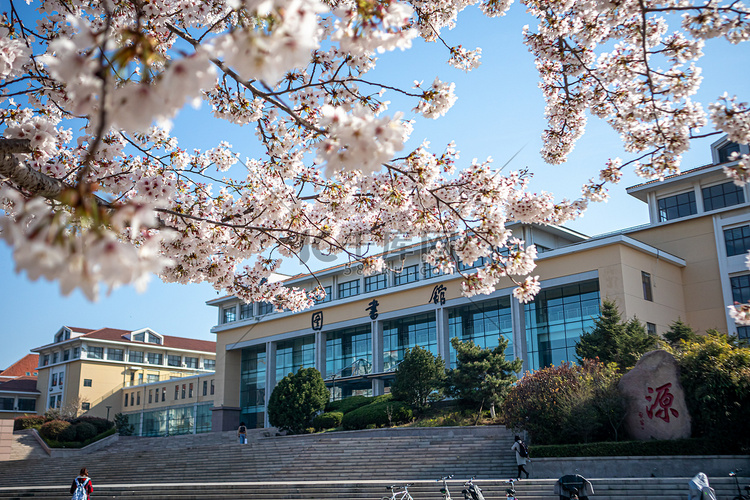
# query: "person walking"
{"type": "Point", "coordinates": [522, 456]}
{"type": "Point", "coordinates": [81, 489]}
{"type": "Point", "coordinates": [242, 433]}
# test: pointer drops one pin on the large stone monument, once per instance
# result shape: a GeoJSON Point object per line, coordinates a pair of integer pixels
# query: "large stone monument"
{"type": "Point", "coordinates": [656, 399]}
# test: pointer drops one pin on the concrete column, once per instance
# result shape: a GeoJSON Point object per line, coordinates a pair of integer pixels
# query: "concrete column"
{"type": "Point", "coordinates": [376, 329]}
{"type": "Point", "coordinates": [443, 335]}
{"type": "Point", "coordinates": [518, 318]}
{"type": "Point", "coordinates": [140, 424]}
{"type": "Point", "coordinates": [320, 353]}
{"type": "Point", "coordinates": [270, 376]}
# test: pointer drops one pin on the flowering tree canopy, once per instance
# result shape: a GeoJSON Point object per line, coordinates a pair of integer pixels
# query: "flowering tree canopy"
{"type": "Point", "coordinates": [122, 199]}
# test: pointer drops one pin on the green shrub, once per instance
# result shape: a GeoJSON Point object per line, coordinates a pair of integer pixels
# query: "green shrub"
{"type": "Point", "coordinates": [101, 424]}
{"type": "Point", "coordinates": [123, 427]}
{"type": "Point", "coordinates": [53, 429]}
{"type": "Point", "coordinates": [419, 378]}
{"type": "Point", "coordinates": [348, 404]}
{"type": "Point", "coordinates": [328, 420]}
{"type": "Point", "coordinates": [377, 415]}
{"type": "Point", "coordinates": [68, 434]}
{"type": "Point", "coordinates": [28, 422]}
{"type": "Point", "coordinates": [84, 431]}
{"type": "Point", "coordinates": [699, 446]}
{"type": "Point", "coordinates": [296, 399]}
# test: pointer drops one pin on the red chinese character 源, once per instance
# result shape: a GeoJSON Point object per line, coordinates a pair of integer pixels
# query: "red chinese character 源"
{"type": "Point", "coordinates": [661, 406]}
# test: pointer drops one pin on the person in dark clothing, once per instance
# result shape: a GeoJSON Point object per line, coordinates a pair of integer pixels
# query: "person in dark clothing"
{"type": "Point", "coordinates": [83, 479]}
{"type": "Point", "coordinates": [242, 433]}
{"type": "Point", "coordinates": [520, 460]}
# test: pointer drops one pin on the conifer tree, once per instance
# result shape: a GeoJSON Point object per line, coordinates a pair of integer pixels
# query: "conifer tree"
{"type": "Point", "coordinates": [679, 331]}
{"type": "Point", "coordinates": [419, 378]}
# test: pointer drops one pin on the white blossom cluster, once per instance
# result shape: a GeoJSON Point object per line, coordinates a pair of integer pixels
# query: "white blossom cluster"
{"type": "Point", "coordinates": [122, 198]}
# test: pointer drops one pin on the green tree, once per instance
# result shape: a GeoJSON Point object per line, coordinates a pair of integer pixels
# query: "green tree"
{"type": "Point", "coordinates": [296, 399]}
{"type": "Point", "coordinates": [680, 332]}
{"type": "Point", "coordinates": [419, 378]}
{"type": "Point", "coordinates": [482, 377]}
{"type": "Point", "coordinates": [615, 341]}
{"type": "Point", "coordinates": [715, 374]}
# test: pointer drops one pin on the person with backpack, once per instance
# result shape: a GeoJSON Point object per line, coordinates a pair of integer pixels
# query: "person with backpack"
{"type": "Point", "coordinates": [242, 433]}
{"type": "Point", "coordinates": [522, 456]}
{"type": "Point", "coordinates": [81, 489]}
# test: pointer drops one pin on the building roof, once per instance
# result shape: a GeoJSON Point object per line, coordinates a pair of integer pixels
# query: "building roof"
{"type": "Point", "coordinates": [169, 341]}
{"type": "Point", "coordinates": [19, 384]}
{"type": "Point", "coordinates": [22, 367]}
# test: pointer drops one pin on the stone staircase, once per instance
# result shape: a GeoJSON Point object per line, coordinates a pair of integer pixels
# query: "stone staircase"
{"type": "Point", "coordinates": [341, 465]}
{"type": "Point", "coordinates": [25, 446]}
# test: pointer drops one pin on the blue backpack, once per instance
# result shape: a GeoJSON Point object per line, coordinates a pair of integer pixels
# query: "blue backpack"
{"type": "Point", "coordinates": [80, 492]}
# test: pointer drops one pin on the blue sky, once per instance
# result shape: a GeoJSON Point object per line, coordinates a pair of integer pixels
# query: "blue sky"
{"type": "Point", "coordinates": [499, 113]}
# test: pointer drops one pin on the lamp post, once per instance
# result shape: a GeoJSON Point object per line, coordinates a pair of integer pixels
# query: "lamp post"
{"type": "Point", "coordinates": [108, 407]}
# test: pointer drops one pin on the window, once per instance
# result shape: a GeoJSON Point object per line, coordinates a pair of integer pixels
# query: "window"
{"type": "Point", "coordinates": [740, 288]}
{"type": "Point", "coordinates": [674, 207]}
{"type": "Point", "coordinates": [154, 358]}
{"type": "Point", "coordinates": [205, 387]}
{"type": "Point", "coordinates": [737, 240]}
{"type": "Point", "coordinates": [154, 339]}
{"type": "Point", "coordinates": [60, 380]}
{"type": "Point", "coordinates": [265, 308]}
{"type": "Point", "coordinates": [646, 281]}
{"type": "Point", "coordinates": [135, 356]}
{"type": "Point", "coordinates": [6, 404]}
{"type": "Point", "coordinates": [45, 360]}
{"type": "Point", "coordinates": [138, 398]}
{"type": "Point", "coordinates": [87, 382]}
{"type": "Point", "coordinates": [75, 353]}
{"type": "Point", "coordinates": [85, 406]}
{"type": "Point", "coordinates": [54, 357]}
{"type": "Point", "coordinates": [191, 362]}
{"type": "Point", "coordinates": [329, 295]}
{"type": "Point", "coordinates": [209, 364]}
{"type": "Point", "coordinates": [431, 271]}
{"type": "Point", "coordinates": [212, 387]}
{"type": "Point", "coordinates": [726, 151]}
{"type": "Point", "coordinates": [163, 394]}
{"type": "Point", "coordinates": [743, 332]}
{"type": "Point", "coordinates": [152, 377]}
{"type": "Point", "coordinates": [246, 311]}
{"type": "Point", "coordinates": [723, 195]}
{"type": "Point", "coordinates": [228, 314]}
{"type": "Point", "coordinates": [26, 404]}
{"type": "Point", "coordinates": [126, 400]}
{"type": "Point", "coordinates": [190, 390]}
{"type": "Point", "coordinates": [651, 328]}
{"type": "Point", "coordinates": [174, 360]}
{"type": "Point", "coordinates": [139, 337]}
{"type": "Point", "coordinates": [348, 289]}
{"type": "Point", "coordinates": [140, 378]}
{"type": "Point", "coordinates": [132, 399]}
{"type": "Point", "coordinates": [115, 354]}
{"type": "Point", "coordinates": [66, 354]}
{"type": "Point", "coordinates": [150, 395]}
{"type": "Point", "coordinates": [408, 274]}
{"type": "Point", "coordinates": [184, 387]}
{"type": "Point", "coordinates": [54, 379]}
{"type": "Point", "coordinates": [375, 282]}
{"type": "Point", "coordinates": [176, 392]}
{"type": "Point", "coordinates": [95, 353]}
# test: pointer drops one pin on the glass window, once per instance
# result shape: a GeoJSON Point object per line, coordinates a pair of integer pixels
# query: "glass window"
{"type": "Point", "coordinates": [184, 388]}
{"type": "Point", "coordinates": [45, 360]}
{"type": "Point", "coordinates": [737, 240]}
{"type": "Point", "coordinates": [209, 364]}
{"type": "Point", "coordinates": [54, 357]}
{"type": "Point", "coordinates": [54, 379]}
{"type": "Point", "coordinates": [87, 382]}
{"type": "Point", "coordinates": [740, 288]}
{"type": "Point", "coordinates": [348, 289]}
{"type": "Point", "coordinates": [651, 328]}
{"type": "Point", "coordinates": [252, 386]}
{"type": "Point", "coordinates": [726, 151]}
{"type": "Point", "coordinates": [150, 395]}
{"type": "Point", "coordinates": [139, 337]}
{"type": "Point", "coordinates": [291, 355]}
{"type": "Point", "coordinates": [431, 271]}
{"type": "Point", "coordinates": [246, 311]}
{"type": "Point", "coordinates": [205, 387]}
{"type": "Point", "coordinates": [135, 356]}
{"type": "Point", "coordinates": [95, 353]}
{"type": "Point", "coordinates": [376, 282]}
{"type": "Point", "coordinates": [177, 392]}
{"type": "Point", "coordinates": [154, 339]}
{"type": "Point", "coordinates": [132, 399]}
{"type": "Point", "coordinates": [743, 332]}
{"type": "Point", "coordinates": [152, 377]}
{"type": "Point", "coordinates": [115, 354]}
{"type": "Point", "coordinates": [349, 352]}
{"type": "Point", "coordinates": [60, 379]}
{"type": "Point", "coordinates": [228, 314]}
{"type": "Point", "coordinates": [190, 390]}
{"type": "Point", "coordinates": [6, 404]}
{"type": "Point", "coordinates": [723, 195]}
{"type": "Point", "coordinates": [26, 404]}
{"type": "Point", "coordinates": [138, 398]}
{"type": "Point", "coordinates": [163, 394]}
{"type": "Point", "coordinates": [75, 353]}
{"type": "Point", "coordinates": [265, 308]}
{"type": "Point", "coordinates": [154, 358]}
{"type": "Point", "coordinates": [328, 297]}
{"type": "Point", "coordinates": [404, 333]}
{"type": "Point", "coordinates": [85, 406]}
{"type": "Point", "coordinates": [482, 323]}
{"type": "Point", "coordinates": [66, 354]}
{"type": "Point", "coordinates": [173, 360]}
{"type": "Point", "coordinates": [212, 387]}
{"type": "Point", "coordinates": [674, 207]}
{"type": "Point", "coordinates": [477, 263]}
{"type": "Point", "coordinates": [646, 282]}
{"type": "Point", "coordinates": [191, 362]}
{"type": "Point", "coordinates": [408, 274]}
{"type": "Point", "coordinates": [126, 400]}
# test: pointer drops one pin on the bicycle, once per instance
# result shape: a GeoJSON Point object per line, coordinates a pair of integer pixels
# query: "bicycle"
{"type": "Point", "coordinates": [471, 491]}
{"type": "Point", "coordinates": [740, 496]}
{"type": "Point", "coordinates": [510, 492]}
{"type": "Point", "coordinates": [398, 492]}
{"type": "Point", "coordinates": [444, 490]}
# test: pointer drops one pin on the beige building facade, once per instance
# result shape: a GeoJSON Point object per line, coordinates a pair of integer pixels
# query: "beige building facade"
{"type": "Point", "coordinates": [687, 263]}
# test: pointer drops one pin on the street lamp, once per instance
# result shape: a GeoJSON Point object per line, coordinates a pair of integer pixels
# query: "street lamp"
{"type": "Point", "coordinates": [108, 407]}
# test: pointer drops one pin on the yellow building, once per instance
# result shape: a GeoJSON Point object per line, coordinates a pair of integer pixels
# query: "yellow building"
{"type": "Point", "coordinates": [687, 263]}
{"type": "Point", "coordinates": [85, 371]}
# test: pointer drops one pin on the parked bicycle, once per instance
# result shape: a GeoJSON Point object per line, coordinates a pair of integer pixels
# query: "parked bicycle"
{"type": "Point", "coordinates": [398, 492]}
{"type": "Point", "coordinates": [471, 491]}
{"type": "Point", "coordinates": [510, 491]}
{"type": "Point", "coordinates": [740, 496]}
{"type": "Point", "coordinates": [444, 490]}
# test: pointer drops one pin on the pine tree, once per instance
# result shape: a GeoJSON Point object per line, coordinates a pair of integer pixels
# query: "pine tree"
{"type": "Point", "coordinates": [679, 331]}
{"type": "Point", "coordinates": [419, 378]}
{"type": "Point", "coordinates": [296, 399]}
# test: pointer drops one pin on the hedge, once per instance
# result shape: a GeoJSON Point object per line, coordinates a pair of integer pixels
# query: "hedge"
{"type": "Point", "coordinates": [328, 420]}
{"type": "Point", "coordinates": [101, 424]}
{"type": "Point", "coordinates": [28, 422]}
{"type": "Point", "coordinates": [53, 429]}
{"type": "Point", "coordinates": [348, 404]}
{"type": "Point", "coordinates": [376, 415]}
{"type": "Point", "coordinates": [52, 443]}
{"type": "Point", "coordinates": [695, 446]}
